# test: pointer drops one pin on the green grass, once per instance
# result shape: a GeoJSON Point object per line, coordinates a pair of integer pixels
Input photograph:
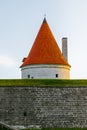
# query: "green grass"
{"type": "Point", "coordinates": [42, 82]}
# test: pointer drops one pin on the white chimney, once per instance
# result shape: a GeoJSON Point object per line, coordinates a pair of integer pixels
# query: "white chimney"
{"type": "Point", "coordinates": [65, 48]}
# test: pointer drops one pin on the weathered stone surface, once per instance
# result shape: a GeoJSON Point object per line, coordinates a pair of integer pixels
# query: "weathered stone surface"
{"type": "Point", "coordinates": [46, 107]}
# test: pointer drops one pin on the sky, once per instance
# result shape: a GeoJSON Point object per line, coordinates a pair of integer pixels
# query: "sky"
{"type": "Point", "coordinates": [20, 21]}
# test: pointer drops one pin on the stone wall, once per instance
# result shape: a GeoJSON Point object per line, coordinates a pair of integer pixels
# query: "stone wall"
{"type": "Point", "coordinates": [44, 106]}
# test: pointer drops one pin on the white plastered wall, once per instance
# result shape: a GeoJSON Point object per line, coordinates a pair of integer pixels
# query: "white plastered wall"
{"type": "Point", "coordinates": [45, 72]}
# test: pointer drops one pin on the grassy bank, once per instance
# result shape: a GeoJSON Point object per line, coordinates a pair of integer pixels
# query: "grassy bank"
{"type": "Point", "coordinates": [43, 82]}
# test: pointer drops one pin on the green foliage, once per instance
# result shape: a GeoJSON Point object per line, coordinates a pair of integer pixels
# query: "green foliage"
{"type": "Point", "coordinates": [43, 82]}
{"type": "Point", "coordinates": [4, 128]}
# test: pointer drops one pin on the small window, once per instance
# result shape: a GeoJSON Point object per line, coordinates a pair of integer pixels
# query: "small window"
{"type": "Point", "coordinates": [56, 75]}
{"type": "Point", "coordinates": [25, 113]}
{"type": "Point", "coordinates": [28, 76]}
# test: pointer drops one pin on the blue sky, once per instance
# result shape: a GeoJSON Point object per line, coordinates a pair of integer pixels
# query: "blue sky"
{"type": "Point", "coordinates": [20, 21]}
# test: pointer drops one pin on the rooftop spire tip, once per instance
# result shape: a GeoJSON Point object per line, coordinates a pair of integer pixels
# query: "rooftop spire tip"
{"type": "Point", "coordinates": [44, 15]}
{"type": "Point", "coordinates": [44, 21]}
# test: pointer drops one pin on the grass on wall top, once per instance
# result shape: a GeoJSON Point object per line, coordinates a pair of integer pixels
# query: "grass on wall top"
{"type": "Point", "coordinates": [43, 82]}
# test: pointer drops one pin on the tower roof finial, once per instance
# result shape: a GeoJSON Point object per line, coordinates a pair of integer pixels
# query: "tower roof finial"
{"type": "Point", "coordinates": [44, 21]}
{"type": "Point", "coordinates": [44, 15]}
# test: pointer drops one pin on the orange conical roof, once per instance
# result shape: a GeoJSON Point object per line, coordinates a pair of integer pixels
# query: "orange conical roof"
{"type": "Point", "coordinates": [45, 49]}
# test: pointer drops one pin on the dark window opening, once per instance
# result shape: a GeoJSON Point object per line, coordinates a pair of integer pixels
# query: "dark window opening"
{"type": "Point", "coordinates": [25, 113]}
{"type": "Point", "coordinates": [56, 75]}
{"type": "Point", "coordinates": [28, 76]}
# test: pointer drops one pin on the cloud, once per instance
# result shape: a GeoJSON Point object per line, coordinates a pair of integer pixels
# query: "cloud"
{"type": "Point", "coordinates": [6, 61]}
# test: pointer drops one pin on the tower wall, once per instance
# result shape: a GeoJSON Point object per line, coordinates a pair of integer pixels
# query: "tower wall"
{"type": "Point", "coordinates": [46, 71]}
{"type": "Point", "coordinates": [65, 48]}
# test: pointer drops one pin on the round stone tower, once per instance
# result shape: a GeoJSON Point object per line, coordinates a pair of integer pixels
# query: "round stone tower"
{"type": "Point", "coordinates": [45, 60]}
